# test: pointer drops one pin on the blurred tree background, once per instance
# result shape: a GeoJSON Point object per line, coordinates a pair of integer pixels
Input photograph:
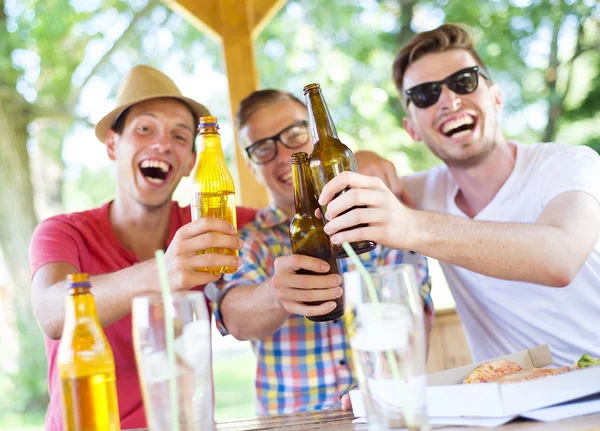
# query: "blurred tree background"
{"type": "Point", "coordinates": [61, 60]}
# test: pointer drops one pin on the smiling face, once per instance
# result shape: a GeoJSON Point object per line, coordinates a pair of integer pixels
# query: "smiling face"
{"type": "Point", "coordinates": [276, 175]}
{"type": "Point", "coordinates": [461, 129]}
{"type": "Point", "coordinates": [153, 152]}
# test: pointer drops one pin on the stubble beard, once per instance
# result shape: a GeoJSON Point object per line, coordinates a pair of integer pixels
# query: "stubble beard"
{"type": "Point", "coordinates": [471, 161]}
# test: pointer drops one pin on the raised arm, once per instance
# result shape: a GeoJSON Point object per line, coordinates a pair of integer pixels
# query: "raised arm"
{"type": "Point", "coordinates": [113, 292]}
{"type": "Point", "coordinates": [253, 311]}
{"type": "Point", "coordinates": [549, 252]}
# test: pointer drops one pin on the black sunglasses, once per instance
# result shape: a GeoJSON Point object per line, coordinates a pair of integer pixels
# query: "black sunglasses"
{"type": "Point", "coordinates": [465, 81]}
{"type": "Point", "coordinates": [292, 137]}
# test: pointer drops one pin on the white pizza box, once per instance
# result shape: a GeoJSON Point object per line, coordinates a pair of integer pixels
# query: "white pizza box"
{"type": "Point", "coordinates": [447, 397]}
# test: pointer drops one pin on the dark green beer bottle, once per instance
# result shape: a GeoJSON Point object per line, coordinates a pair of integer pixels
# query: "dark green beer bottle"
{"type": "Point", "coordinates": [306, 230]}
{"type": "Point", "coordinates": [329, 158]}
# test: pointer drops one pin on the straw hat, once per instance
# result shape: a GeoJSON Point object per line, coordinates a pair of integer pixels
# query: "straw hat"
{"type": "Point", "coordinates": [144, 83]}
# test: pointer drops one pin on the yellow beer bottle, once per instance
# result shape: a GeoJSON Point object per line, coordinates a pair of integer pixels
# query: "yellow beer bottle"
{"type": "Point", "coordinates": [329, 158]}
{"type": "Point", "coordinates": [306, 230]}
{"type": "Point", "coordinates": [86, 365]}
{"type": "Point", "coordinates": [213, 188]}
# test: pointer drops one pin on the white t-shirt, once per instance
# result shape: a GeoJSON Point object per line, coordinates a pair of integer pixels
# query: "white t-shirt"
{"type": "Point", "coordinates": [500, 316]}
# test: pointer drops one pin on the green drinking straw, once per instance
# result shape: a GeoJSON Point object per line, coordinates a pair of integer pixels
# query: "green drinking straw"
{"type": "Point", "coordinates": [374, 300]}
{"type": "Point", "coordinates": [169, 335]}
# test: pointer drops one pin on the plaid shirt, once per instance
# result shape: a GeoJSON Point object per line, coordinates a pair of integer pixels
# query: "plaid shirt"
{"type": "Point", "coordinates": [305, 365]}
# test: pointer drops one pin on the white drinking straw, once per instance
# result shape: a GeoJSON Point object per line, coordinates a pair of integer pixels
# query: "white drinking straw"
{"type": "Point", "coordinates": [169, 335]}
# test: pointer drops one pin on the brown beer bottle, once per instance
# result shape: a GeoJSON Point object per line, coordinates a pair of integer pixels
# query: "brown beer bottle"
{"type": "Point", "coordinates": [213, 193]}
{"type": "Point", "coordinates": [306, 230]}
{"type": "Point", "coordinates": [329, 158]}
{"type": "Point", "coordinates": [86, 364]}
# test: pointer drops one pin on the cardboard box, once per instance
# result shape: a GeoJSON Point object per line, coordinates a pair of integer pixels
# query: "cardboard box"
{"type": "Point", "coordinates": [447, 397]}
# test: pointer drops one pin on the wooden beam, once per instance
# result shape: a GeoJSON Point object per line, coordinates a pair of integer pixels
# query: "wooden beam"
{"type": "Point", "coordinates": [204, 15]}
{"type": "Point", "coordinates": [235, 23]}
{"type": "Point", "coordinates": [263, 11]}
{"type": "Point", "coordinates": [236, 31]}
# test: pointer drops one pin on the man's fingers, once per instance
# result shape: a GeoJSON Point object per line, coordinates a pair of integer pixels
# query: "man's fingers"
{"type": "Point", "coordinates": [211, 240]}
{"type": "Point", "coordinates": [358, 198]}
{"type": "Point", "coordinates": [283, 280]}
{"type": "Point", "coordinates": [346, 402]}
{"type": "Point", "coordinates": [309, 310]}
{"type": "Point", "coordinates": [310, 295]}
{"type": "Point", "coordinates": [358, 216]}
{"type": "Point", "coordinates": [367, 233]}
{"type": "Point", "coordinates": [204, 225]}
{"type": "Point", "coordinates": [212, 260]}
{"type": "Point", "coordinates": [349, 179]}
{"type": "Point", "coordinates": [297, 262]}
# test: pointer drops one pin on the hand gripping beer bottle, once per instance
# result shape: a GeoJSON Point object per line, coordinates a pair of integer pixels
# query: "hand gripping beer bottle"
{"type": "Point", "coordinates": [306, 230]}
{"type": "Point", "coordinates": [329, 158]}
{"type": "Point", "coordinates": [86, 365]}
{"type": "Point", "coordinates": [213, 189]}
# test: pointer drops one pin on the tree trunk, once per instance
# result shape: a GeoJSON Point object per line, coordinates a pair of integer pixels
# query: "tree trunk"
{"type": "Point", "coordinates": [18, 222]}
{"type": "Point", "coordinates": [555, 101]}
{"type": "Point", "coordinates": [407, 13]}
{"type": "Point", "coordinates": [16, 193]}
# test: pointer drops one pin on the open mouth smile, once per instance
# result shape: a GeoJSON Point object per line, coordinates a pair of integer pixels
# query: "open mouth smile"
{"type": "Point", "coordinates": [286, 178]}
{"type": "Point", "coordinates": [458, 126]}
{"type": "Point", "coordinates": [155, 171]}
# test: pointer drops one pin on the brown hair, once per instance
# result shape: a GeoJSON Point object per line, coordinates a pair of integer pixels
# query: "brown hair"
{"type": "Point", "coordinates": [259, 99]}
{"type": "Point", "coordinates": [444, 38]}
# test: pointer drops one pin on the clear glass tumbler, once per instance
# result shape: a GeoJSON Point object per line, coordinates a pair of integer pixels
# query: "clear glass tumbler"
{"type": "Point", "coordinates": [191, 323]}
{"type": "Point", "coordinates": [387, 333]}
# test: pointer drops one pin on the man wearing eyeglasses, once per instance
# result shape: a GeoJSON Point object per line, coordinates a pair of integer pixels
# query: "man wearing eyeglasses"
{"type": "Point", "coordinates": [514, 226]}
{"type": "Point", "coordinates": [301, 365]}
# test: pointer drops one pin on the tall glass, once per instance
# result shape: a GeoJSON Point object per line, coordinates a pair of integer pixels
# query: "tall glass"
{"type": "Point", "coordinates": [191, 325]}
{"type": "Point", "coordinates": [387, 333]}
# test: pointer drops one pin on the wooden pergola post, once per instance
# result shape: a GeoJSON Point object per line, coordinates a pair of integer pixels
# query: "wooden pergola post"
{"type": "Point", "coordinates": [235, 24]}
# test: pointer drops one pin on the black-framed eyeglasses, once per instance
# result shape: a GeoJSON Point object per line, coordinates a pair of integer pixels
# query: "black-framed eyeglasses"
{"type": "Point", "coordinates": [291, 137]}
{"type": "Point", "coordinates": [465, 81]}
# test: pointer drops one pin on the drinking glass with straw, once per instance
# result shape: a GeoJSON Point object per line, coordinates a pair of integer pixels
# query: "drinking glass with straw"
{"type": "Point", "coordinates": [385, 321]}
{"type": "Point", "coordinates": [171, 334]}
{"type": "Point", "coordinates": [167, 299]}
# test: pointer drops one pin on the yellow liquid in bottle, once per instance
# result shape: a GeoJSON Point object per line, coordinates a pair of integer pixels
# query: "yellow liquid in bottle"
{"type": "Point", "coordinates": [219, 205]}
{"type": "Point", "coordinates": [91, 403]}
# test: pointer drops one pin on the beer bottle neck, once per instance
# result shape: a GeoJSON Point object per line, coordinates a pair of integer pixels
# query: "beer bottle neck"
{"type": "Point", "coordinates": [304, 192]}
{"type": "Point", "coordinates": [210, 143]}
{"type": "Point", "coordinates": [80, 305]}
{"type": "Point", "coordinates": [321, 124]}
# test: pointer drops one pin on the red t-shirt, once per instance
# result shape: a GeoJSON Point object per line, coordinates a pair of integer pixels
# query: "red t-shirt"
{"type": "Point", "coordinates": [86, 240]}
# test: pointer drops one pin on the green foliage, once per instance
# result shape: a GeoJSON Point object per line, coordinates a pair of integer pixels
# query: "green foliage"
{"type": "Point", "coordinates": [52, 52]}
{"type": "Point", "coordinates": [349, 48]}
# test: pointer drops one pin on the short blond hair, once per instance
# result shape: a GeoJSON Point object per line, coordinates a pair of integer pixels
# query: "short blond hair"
{"type": "Point", "coordinates": [260, 99]}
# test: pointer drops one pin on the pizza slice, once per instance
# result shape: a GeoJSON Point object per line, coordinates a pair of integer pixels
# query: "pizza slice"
{"type": "Point", "coordinates": [490, 371]}
{"type": "Point", "coordinates": [530, 374]}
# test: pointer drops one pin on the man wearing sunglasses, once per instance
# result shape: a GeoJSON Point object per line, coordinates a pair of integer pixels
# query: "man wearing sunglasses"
{"type": "Point", "coordinates": [301, 365]}
{"type": "Point", "coordinates": [514, 226]}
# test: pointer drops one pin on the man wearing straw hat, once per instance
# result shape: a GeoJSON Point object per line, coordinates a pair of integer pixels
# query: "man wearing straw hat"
{"type": "Point", "coordinates": [515, 227]}
{"type": "Point", "coordinates": [150, 138]}
{"type": "Point", "coordinates": [301, 365]}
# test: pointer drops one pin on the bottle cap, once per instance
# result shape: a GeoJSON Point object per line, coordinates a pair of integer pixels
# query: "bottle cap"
{"type": "Point", "coordinates": [78, 280]}
{"type": "Point", "coordinates": [208, 121]}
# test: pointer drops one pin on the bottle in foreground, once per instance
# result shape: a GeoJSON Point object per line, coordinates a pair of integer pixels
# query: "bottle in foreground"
{"type": "Point", "coordinates": [329, 158]}
{"type": "Point", "coordinates": [306, 230]}
{"type": "Point", "coordinates": [86, 364]}
{"type": "Point", "coordinates": [213, 188]}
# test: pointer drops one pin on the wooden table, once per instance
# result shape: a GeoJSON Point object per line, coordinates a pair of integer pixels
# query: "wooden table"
{"type": "Point", "coordinates": [337, 420]}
